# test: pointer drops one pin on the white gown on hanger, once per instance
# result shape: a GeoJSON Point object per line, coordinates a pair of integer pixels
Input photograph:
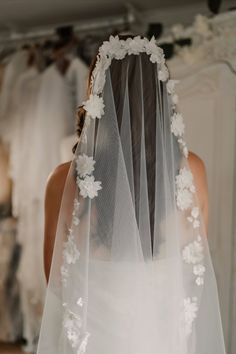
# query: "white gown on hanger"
{"type": "Point", "coordinates": [55, 119]}
{"type": "Point", "coordinates": [16, 66]}
{"type": "Point", "coordinates": [77, 77]}
{"type": "Point", "coordinates": [29, 230]}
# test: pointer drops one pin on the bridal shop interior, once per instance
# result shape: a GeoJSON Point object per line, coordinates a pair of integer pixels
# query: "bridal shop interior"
{"type": "Point", "coordinates": [46, 48]}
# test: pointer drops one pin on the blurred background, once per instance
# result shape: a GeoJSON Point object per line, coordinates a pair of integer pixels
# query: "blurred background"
{"type": "Point", "coordinates": [46, 48]}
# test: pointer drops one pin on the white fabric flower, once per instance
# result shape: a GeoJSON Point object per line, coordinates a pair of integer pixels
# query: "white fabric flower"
{"type": "Point", "coordinates": [158, 57]}
{"type": "Point", "coordinates": [72, 324]}
{"type": "Point", "coordinates": [84, 165]}
{"type": "Point", "coordinates": [200, 281]}
{"type": "Point", "coordinates": [171, 86]}
{"type": "Point", "coordinates": [195, 212]}
{"type": "Point", "coordinates": [135, 45]}
{"type": "Point", "coordinates": [175, 99]}
{"type": "Point", "coordinates": [64, 274]}
{"type": "Point", "coordinates": [76, 204]}
{"type": "Point", "coordinates": [193, 253]}
{"type": "Point", "coordinates": [177, 124]}
{"type": "Point", "coordinates": [163, 73]}
{"type": "Point", "coordinates": [89, 187]}
{"type": "Point", "coordinates": [184, 199]}
{"type": "Point", "coordinates": [70, 253]}
{"type": "Point", "coordinates": [152, 48]}
{"type": "Point", "coordinates": [194, 217]}
{"type": "Point", "coordinates": [75, 221]}
{"type": "Point", "coordinates": [183, 147]}
{"type": "Point", "coordinates": [83, 345]}
{"type": "Point", "coordinates": [113, 48]}
{"type": "Point", "coordinates": [94, 106]}
{"type": "Point", "coordinates": [199, 269]}
{"type": "Point", "coordinates": [190, 313]}
{"type": "Point", "coordinates": [184, 179]}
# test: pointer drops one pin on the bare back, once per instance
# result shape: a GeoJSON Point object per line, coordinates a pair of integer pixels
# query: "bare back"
{"type": "Point", "coordinates": [54, 192]}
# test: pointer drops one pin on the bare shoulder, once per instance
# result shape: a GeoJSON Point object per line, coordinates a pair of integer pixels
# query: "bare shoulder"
{"type": "Point", "coordinates": [198, 169]}
{"type": "Point", "coordinates": [57, 178]}
{"type": "Point", "coordinates": [196, 164]}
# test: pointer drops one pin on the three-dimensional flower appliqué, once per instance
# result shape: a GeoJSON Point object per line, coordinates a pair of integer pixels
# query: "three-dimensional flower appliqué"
{"type": "Point", "coordinates": [184, 189]}
{"type": "Point", "coordinates": [199, 271]}
{"type": "Point", "coordinates": [135, 45]}
{"type": "Point", "coordinates": [184, 199]}
{"type": "Point", "coordinates": [84, 165]}
{"type": "Point", "coordinates": [190, 313]}
{"type": "Point", "coordinates": [70, 256]}
{"type": "Point", "coordinates": [170, 86]}
{"type": "Point", "coordinates": [89, 187]}
{"type": "Point", "coordinates": [184, 180]}
{"type": "Point", "coordinates": [193, 218]}
{"type": "Point", "coordinates": [94, 106]}
{"type": "Point", "coordinates": [177, 124]}
{"type": "Point", "coordinates": [86, 183]}
{"type": "Point", "coordinates": [193, 252]}
{"type": "Point", "coordinates": [72, 323]}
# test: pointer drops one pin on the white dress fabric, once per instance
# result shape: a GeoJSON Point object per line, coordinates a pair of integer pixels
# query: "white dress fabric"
{"type": "Point", "coordinates": [54, 120]}
{"type": "Point", "coordinates": [67, 146]}
{"type": "Point", "coordinates": [23, 126]}
{"type": "Point", "coordinates": [77, 77]}
{"type": "Point", "coordinates": [15, 67]}
{"type": "Point", "coordinates": [28, 212]}
{"type": "Point", "coordinates": [51, 120]}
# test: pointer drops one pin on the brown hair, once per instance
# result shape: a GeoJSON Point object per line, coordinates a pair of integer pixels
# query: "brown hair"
{"type": "Point", "coordinates": [81, 113]}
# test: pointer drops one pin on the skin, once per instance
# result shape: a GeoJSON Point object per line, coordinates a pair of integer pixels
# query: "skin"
{"type": "Point", "coordinates": [54, 191]}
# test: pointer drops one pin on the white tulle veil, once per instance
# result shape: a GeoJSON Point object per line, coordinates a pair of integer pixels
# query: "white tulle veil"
{"type": "Point", "coordinates": [131, 271]}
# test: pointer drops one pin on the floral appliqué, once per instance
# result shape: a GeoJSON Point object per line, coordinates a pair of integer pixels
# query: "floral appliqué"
{"type": "Point", "coordinates": [193, 218]}
{"type": "Point", "coordinates": [193, 254]}
{"type": "Point", "coordinates": [190, 313]}
{"type": "Point", "coordinates": [85, 180]}
{"type": "Point", "coordinates": [94, 106]}
{"type": "Point", "coordinates": [70, 256]}
{"type": "Point", "coordinates": [72, 324]}
{"type": "Point", "coordinates": [184, 189]}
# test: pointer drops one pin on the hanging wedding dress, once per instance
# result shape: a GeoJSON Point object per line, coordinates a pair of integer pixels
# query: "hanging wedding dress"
{"type": "Point", "coordinates": [43, 118]}
{"type": "Point", "coordinates": [16, 66]}
{"type": "Point", "coordinates": [29, 274]}
{"type": "Point", "coordinates": [76, 76]}
{"type": "Point", "coordinates": [131, 270]}
{"type": "Point", "coordinates": [54, 119]}
{"type": "Point", "coordinates": [23, 126]}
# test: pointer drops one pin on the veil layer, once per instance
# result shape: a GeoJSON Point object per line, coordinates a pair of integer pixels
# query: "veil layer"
{"type": "Point", "coordinates": [131, 270]}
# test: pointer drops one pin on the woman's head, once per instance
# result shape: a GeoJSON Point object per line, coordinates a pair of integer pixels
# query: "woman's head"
{"type": "Point", "coordinates": [81, 112]}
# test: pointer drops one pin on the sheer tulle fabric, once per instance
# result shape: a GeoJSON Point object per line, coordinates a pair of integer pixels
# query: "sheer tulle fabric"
{"type": "Point", "coordinates": [128, 289]}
